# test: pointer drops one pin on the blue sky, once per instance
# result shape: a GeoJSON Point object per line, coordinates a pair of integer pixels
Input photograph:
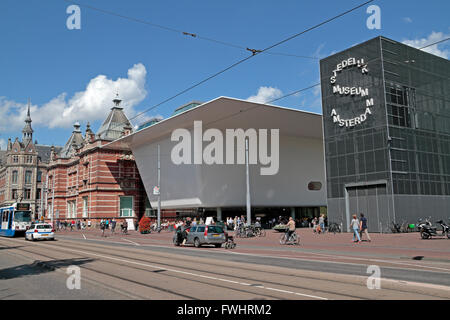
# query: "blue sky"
{"type": "Point", "coordinates": [72, 75]}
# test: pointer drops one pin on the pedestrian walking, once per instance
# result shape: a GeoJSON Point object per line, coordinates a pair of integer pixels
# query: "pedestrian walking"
{"type": "Point", "coordinates": [363, 227]}
{"type": "Point", "coordinates": [113, 226]}
{"type": "Point", "coordinates": [354, 225]}
{"type": "Point", "coordinates": [314, 224]}
{"type": "Point", "coordinates": [106, 224]}
{"type": "Point", "coordinates": [322, 222]}
{"type": "Point", "coordinates": [103, 227]}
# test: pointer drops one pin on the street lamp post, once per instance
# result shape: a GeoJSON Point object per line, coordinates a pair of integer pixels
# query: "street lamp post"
{"type": "Point", "coordinates": [249, 213]}
{"type": "Point", "coordinates": [159, 188]}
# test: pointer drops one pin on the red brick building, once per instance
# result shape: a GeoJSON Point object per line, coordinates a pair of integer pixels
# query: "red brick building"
{"type": "Point", "coordinates": [88, 181]}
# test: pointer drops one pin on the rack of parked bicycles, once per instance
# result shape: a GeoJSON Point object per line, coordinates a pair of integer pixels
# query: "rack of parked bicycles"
{"type": "Point", "coordinates": [249, 231]}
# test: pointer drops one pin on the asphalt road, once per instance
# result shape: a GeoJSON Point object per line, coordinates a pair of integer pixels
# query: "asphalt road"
{"type": "Point", "coordinates": [126, 270]}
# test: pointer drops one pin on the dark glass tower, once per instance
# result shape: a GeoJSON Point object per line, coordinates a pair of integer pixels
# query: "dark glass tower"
{"type": "Point", "coordinates": [386, 120]}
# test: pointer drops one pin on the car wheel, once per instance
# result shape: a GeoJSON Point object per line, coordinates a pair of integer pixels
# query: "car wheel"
{"type": "Point", "coordinates": [197, 242]}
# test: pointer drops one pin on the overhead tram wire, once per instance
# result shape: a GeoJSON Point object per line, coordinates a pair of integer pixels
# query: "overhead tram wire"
{"type": "Point", "coordinates": [242, 60]}
{"type": "Point", "coordinates": [295, 92]}
{"type": "Point", "coordinates": [193, 35]}
{"type": "Point", "coordinates": [249, 57]}
{"type": "Point", "coordinates": [318, 84]}
{"type": "Point", "coordinates": [435, 43]}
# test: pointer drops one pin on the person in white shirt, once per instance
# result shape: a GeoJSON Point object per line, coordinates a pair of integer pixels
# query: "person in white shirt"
{"type": "Point", "coordinates": [354, 225]}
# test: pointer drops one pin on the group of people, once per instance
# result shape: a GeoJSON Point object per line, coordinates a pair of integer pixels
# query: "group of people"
{"type": "Point", "coordinates": [79, 225]}
{"type": "Point", "coordinates": [359, 226]}
{"type": "Point", "coordinates": [318, 224]}
{"type": "Point", "coordinates": [105, 224]}
{"type": "Point", "coordinates": [236, 222]}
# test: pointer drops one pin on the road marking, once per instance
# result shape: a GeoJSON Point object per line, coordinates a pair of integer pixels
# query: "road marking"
{"type": "Point", "coordinates": [136, 244]}
{"type": "Point", "coordinates": [84, 236]}
{"type": "Point", "coordinates": [378, 260]}
{"type": "Point", "coordinates": [302, 258]}
{"type": "Point", "coordinates": [186, 273]}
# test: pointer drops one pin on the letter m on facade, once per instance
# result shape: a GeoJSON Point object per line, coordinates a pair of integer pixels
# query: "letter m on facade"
{"type": "Point", "coordinates": [369, 102]}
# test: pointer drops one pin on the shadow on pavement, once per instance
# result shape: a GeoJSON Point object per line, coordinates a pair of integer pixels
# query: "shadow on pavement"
{"type": "Point", "coordinates": [40, 267]}
{"type": "Point", "coordinates": [9, 248]}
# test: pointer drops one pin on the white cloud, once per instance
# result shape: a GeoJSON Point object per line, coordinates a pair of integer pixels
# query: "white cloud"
{"type": "Point", "coordinates": [265, 94]}
{"type": "Point", "coordinates": [407, 20]}
{"type": "Point", "coordinates": [432, 38]}
{"type": "Point", "coordinates": [91, 104]}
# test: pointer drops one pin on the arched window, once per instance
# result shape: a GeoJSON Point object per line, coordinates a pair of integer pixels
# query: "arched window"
{"type": "Point", "coordinates": [28, 177]}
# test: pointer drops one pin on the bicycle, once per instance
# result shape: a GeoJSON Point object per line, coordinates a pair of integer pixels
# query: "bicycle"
{"type": "Point", "coordinates": [334, 227]}
{"type": "Point", "coordinates": [259, 232]}
{"type": "Point", "coordinates": [293, 239]}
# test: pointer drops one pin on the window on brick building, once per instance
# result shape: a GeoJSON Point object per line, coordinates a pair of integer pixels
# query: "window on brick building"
{"type": "Point", "coordinates": [28, 177]}
{"type": "Point", "coordinates": [14, 177]}
{"type": "Point", "coordinates": [85, 207]}
{"type": "Point", "coordinates": [126, 206]}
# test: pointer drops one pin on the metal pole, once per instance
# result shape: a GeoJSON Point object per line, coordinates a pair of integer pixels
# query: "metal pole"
{"type": "Point", "coordinates": [46, 194]}
{"type": "Point", "coordinates": [249, 217]}
{"type": "Point", "coordinates": [53, 197]}
{"type": "Point", "coordinates": [159, 187]}
{"type": "Point", "coordinates": [42, 201]}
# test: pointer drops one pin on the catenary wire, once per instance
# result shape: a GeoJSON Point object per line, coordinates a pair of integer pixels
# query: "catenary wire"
{"type": "Point", "coordinates": [249, 57]}
{"type": "Point", "coordinates": [435, 43]}
{"type": "Point", "coordinates": [318, 84]}
{"type": "Point", "coordinates": [193, 35]}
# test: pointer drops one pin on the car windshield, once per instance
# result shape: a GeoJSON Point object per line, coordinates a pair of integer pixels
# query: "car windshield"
{"type": "Point", "coordinates": [215, 229]}
{"type": "Point", "coordinates": [22, 216]}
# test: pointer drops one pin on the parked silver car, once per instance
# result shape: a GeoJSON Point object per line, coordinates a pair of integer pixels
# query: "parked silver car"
{"type": "Point", "coordinates": [202, 234]}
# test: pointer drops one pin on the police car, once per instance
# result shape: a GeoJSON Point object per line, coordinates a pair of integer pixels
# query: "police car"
{"type": "Point", "coordinates": [39, 231]}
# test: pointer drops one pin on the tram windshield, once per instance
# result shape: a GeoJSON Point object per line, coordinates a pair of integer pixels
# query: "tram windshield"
{"type": "Point", "coordinates": [22, 216]}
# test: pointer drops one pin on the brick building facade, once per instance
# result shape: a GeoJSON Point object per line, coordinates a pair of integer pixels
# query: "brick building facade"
{"type": "Point", "coordinates": [88, 181]}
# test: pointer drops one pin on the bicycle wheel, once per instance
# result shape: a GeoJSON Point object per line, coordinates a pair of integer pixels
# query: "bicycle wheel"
{"type": "Point", "coordinates": [296, 239]}
{"type": "Point", "coordinates": [283, 239]}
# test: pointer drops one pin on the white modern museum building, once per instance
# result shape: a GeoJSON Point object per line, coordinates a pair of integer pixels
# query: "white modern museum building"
{"type": "Point", "coordinates": [202, 152]}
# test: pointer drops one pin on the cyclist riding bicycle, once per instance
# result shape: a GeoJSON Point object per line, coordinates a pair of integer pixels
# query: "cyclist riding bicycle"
{"type": "Point", "coordinates": [291, 228]}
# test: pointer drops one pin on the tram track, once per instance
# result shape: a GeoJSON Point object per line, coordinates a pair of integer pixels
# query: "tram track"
{"type": "Point", "coordinates": [48, 264]}
{"type": "Point", "coordinates": [236, 271]}
{"type": "Point", "coordinates": [289, 274]}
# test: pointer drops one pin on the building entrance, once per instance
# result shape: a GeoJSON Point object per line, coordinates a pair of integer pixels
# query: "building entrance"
{"type": "Point", "coordinates": [372, 200]}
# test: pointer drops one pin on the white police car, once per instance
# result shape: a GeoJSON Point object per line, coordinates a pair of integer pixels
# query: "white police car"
{"type": "Point", "coordinates": [38, 231]}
